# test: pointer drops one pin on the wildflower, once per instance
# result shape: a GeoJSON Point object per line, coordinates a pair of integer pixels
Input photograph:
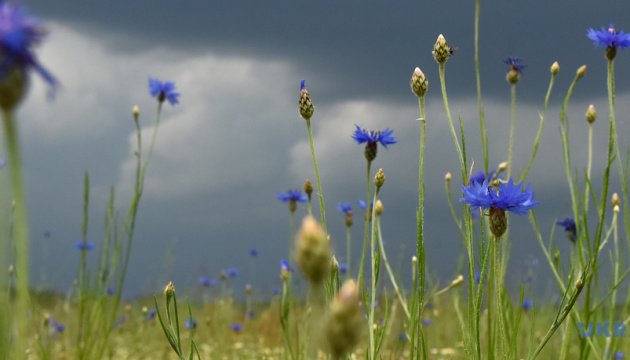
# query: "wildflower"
{"type": "Point", "coordinates": [505, 197]}
{"type": "Point", "coordinates": [343, 268]}
{"type": "Point", "coordinates": [609, 38]}
{"type": "Point", "coordinates": [426, 322]}
{"type": "Point", "coordinates": [151, 314]}
{"type": "Point", "coordinates": [253, 252]}
{"type": "Point", "coordinates": [163, 91]}
{"type": "Point", "coordinates": [19, 33]}
{"type": "Point", "coordinates": [292, 197]}
{"type": "Point", "coordinates": [206, 282]}
{"type": "Point", "coordinates": [527, 304]}
{"type": "Point", "coordinates": [362, 204]}
{"type": "Point", "coordinates": [305, 105]}
{"type": "Point", "coordinates": [110, 291]}
{"type": "Point", "coordinates": [84, 246]}
{"type": "Point", "coordinates": [515, 63]}
{"type": "Point", "coordinates": [555, 68]}
{"type": "Point", "coordinates": [372, 138]}
{"type": "Point", "coordinates": [236, 327]}
{"type": "Point", "coordinates": [232, 272]}
{"type": "Point", "coordinates": [57, 327]}
{"type": "Point", "coordinates": [379, 179]}
{"type": "Point", "coordinates": [191, 323]}
{"type": "Point", "coordinates": [346, 209]}
{"type": "Point", "coordinates": [591, 114]}
{"type": "Point", "coordinates": [402, 337]}
{"type": "Point", "coordinates": [569, 226]}
{"type": "Point", "coordinates": [477, 276]}
{"type": "Point", "coordinates": [619, 355]}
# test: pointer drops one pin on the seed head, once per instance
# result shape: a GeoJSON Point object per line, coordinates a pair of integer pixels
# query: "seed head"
{"type": "Point", "coordinates": [441, 50]}
{"type": "Point", "coordinates": [313, 250]}
{"type": "Point", "coordinates": [378, 208]}
{"type": "Point", "coordinates": [581, 71]}
{"type": "Point", "coordinates": [591, 114]}
{"type": "Point", "coordinates": [305, 105]}
{"type": "Point", "coordinates": [615, 200]}
{"type": "Point", "coordinates": [343, 325]}
{"type": "Point", "coordinates": [379, 179]}
{"type": "Point", "coordinates": [419, 83]}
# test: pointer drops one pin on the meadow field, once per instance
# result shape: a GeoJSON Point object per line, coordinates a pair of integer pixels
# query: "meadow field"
{"type": "Point", "coordinates": [324, 301]}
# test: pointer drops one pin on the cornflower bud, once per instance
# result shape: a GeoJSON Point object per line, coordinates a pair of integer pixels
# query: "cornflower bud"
{"type": "Point", "coordinates": [313, 250]}
{"type": "Point", "coordinates": [441, 50]}
{"type": "Point", "coordinates": [555, 68]}
{"type": "Point", "coordinates": [591, 114]}
{"type": "Point", "coordinates": [305, 105]}
{"type": "Point", "coordinates": [615, 200]}
{"type": "Point", "coordinates": [581, 71]}
{"type": "Point", "coordinates": [379, 179]}
{"type": "Point", "coordinates": [419, 83]}
{"type": "Point", "coordinates": [378, 208]}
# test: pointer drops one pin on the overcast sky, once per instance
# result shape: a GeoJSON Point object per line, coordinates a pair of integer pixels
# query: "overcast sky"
{"type": "Point", "coordinates": [236, 139]}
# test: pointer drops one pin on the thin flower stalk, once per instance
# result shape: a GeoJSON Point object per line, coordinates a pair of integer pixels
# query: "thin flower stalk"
{"type": "Point", "coordinates": [320, 194]}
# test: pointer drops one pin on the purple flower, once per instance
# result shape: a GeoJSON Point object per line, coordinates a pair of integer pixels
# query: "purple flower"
{"type": "Point", "coordinates": [343, 268]}
{"type": "Point", "coordinates": [609, 38]}
{"type": "Point", "coordinates": [191, 324]}
{"type": "Point", "coordinates": [163, 91]}
{"type": "Point", "coordinates": [569, 226]}
{"type": "Point", "coordinates": [236, 327]}
{"type": "Point", "coordinates": [619, 355]}
{"type": "Point", "coordinates": [151, 314]}
{"type": "Point", "coordinates": [372, 137]}
{"type": "Point", "coordinates": [480, 177]}
{"type": "Point", "coordinates": [345, 208]}
{"type": "Point", "coordinates": [293, 196]}
{"type": "Point", "coordinates": [284, 265]}
{"type": "Point", "coordinates": [477, 276]}
{"type": "Point", "coordinates": [362, 204]}
{"type": "Point", "coordinates": [232, 272]}
{"type": "Point", "coordinates": [426, 322]}
{"type": "Point", "coordinates": [527, 304]}
{"type": "Point", "coordinates": [19, 33]}
{"type": "Point", "coordinates": [110, 291]}
{"type": "Point", "coordinates": [253, 252]}
{"type": "Point", "coordinates": [206, 282]}
{"type": "Point", "coordinates": [508, 197]}
{"type": "Point", "coordinates": [57, 327]}
{"type": "Point", "coordinates": [515, 63]}
{"type": "Point", "coordinates": [84, 246]}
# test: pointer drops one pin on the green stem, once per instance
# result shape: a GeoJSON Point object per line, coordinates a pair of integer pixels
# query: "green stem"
{"type": "Point", "coordinates": [450, 121]}
{"type": "Point", "coordinates": [482, 114]}
{"type": "Point", "coordinates": [373, 293]}
{"type": "Point", "coordinates": [291, 224]}
{"type": "Point", "coordinates": [512, 129]}
{"type": "Point", "coordinates": [348, 251]}
{"type": "Point", "coordinates": [392, 277]}
{"type": "Point", "coordinates": [420, 249]}
{"type": "Point", "coordinates": [540, 128]}
{"type": "Point", "coordinates": [564, 132]}
{"type": "Point", "coordinates": [589, 165]}
{"type": "Point", "coordinates": [21, 234]}
{"type": "Point", "coordinates": [366, 228]}
{"type": "Point", "coordinates": [320, 194]}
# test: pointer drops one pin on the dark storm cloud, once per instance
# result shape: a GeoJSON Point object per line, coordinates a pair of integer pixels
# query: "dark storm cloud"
{"type": "Point", "coordinates": [358, 49]}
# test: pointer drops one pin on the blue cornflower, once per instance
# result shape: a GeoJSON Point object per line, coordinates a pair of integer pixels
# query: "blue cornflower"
{"type": "Point", "coordinates": [163, 91]}
{"type": "Point", "coordinates": [253, 252]}
{"type": "Point", "coordinates": [84, 246]}
{"type": "Point", "coordinates": [477, 276]}
{"type": "Point", "coordinates": [619, 355]}
{"type": "Point", "coordinates": [362, 204]}
{"type": "Point", "coordinates": [508, 197]}
{"type": "Point", "coordinates": [19, 33]}
{"type": "Point", "coordinates": [191, 323]}
{"type": "Point", "coordinates": [206, 282]}
{"type": "Point", "coordinates": [515, 63]}
{"type": "Point", "coordinates": [57, 327]}
{"type": "Point", "coordinates": [110, 291]}
{"type": "Point", "coordinates": [292, 196]}
{"type": "Point", "coordinates": [343, 268]}
{"type": "Point", "coordinates": [345, 208]}
{"type": "Point", "coordinates": [372, 137]}
{"type": "Point", "coordinates": [480, 177]}
{"type": "Point", "coordinates": [236, 327]}
{"type": "Point", "coordinates": [569, 226]}
{"type": "Point", "coordinates": [427, 322]}
{"type": "Point", "coordinates": [284, 265]}
{"type": "Point", "coordinates": [609, 38]}
{"type": "Point", "coordinates": [151, 314]}
{"type": "Point", "coordinates": [276, 291]}
{"type": "Point", "coordinates": [232, 272]}
{"type": "Point", "coordinates": [527, 304]}
{"type": "Point", "coordinates": [403, 337]}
